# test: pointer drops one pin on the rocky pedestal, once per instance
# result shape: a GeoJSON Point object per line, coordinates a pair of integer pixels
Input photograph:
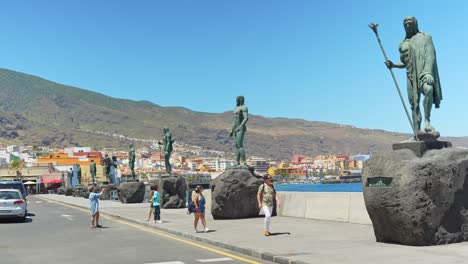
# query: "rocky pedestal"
{"type": "Point", "coordinates": [172, 190]}
{"type": "Point", "coordinates": [235, 194]}
{"type": "Point", "coordinates": [131, 192]}
{"type": "Point", "coordinates": [109, 187]}
{"type": "Point", "coordinates": [61, 191]}
{"type": "Point", "coordinates": [418, 201]}
{"type": "Point", "coordinates": [68, 192]}
{"type": "Point", "coordinates": [419, 147]}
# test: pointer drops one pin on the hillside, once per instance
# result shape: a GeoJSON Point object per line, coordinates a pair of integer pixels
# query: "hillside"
{"type": "Point", "coordinates": [40, 112]}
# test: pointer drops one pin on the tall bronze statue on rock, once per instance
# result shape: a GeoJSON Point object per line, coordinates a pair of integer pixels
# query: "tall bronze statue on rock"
{"type": "Point", "coordinates": [240, 116]}
{"type": "Point", "coordinates": [167, 147]}
{"type": "Point", "coordinates": [92, 170]}
{"type": "Point", "coordinates": [131, 160]}
{"type": "Point", "coordinates": [418, 56]}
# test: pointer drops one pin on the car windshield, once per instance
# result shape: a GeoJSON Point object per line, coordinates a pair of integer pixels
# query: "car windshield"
{"type": "Point", "coordinates": [14, 186]}
{"type": "Point", "coordinates": [9, 195]}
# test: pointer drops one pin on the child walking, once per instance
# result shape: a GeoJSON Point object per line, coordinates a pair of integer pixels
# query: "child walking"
{"type": "Point", "coordinates": [156, 204]}
{"type": "Point", "coordinates": [151, 193]}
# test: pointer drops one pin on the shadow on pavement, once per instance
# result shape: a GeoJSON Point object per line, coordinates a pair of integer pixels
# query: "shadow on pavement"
{"type": "Point", "coordinates": [15, 221]}
{"type": "Point", "coordinates": [280, 233]}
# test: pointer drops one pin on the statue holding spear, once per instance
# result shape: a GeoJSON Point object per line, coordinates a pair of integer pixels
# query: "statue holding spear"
{"type": "Point", "coordinates": [418, 56]}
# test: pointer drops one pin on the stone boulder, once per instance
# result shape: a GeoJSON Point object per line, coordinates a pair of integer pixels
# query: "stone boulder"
{"type": "Point", "coordinates": [61, 191]}
{"type": "Point", "coordinates": [172, 191]}
{"type": "Point", "coordinates": [68, 192]}
{"type": "Point", "coordinates": [235, 194]}
{"type": "Point", "coordinates": [418, 201]}
{"type": "Point", "coordinates": [131, 192]}
{"type": "Point", "coordinates": [106, 194]}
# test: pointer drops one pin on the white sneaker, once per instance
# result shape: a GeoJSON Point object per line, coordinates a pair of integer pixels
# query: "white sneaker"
{"type": "Point", "coordinates": [159, 222]}
{"type": "Point", "coordinates": [196, 231]}
{"type": "Point", "coordinates": [207, 230]}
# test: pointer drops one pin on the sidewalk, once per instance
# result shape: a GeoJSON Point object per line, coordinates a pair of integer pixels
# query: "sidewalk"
{"type": "Point", "coordinates": [297, 240]}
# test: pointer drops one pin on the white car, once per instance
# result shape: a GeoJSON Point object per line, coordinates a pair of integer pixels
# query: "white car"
{"type": "Point", "coordinates": [12, 204]}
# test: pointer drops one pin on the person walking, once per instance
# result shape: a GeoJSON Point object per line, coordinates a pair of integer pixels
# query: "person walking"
{"type": "Point", "coordinates": [265, 196]}
{"type": "Point", "coordinates": [151, 193]}
{"type": "Point", "coordinates": [156, 201]}
{"type": "Point", "coordinates": [199, 202]}
{"type": "Point", "coordinates": [94, 205]}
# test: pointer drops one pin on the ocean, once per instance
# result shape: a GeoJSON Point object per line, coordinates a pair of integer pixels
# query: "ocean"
{"type": "Point", "coordinates": [338, 187]}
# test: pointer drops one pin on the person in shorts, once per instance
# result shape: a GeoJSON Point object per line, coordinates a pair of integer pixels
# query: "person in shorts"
{"type": "Point", "coordinates": [94, 205]}
{"type": "Point", "coordinates": [199, 201]}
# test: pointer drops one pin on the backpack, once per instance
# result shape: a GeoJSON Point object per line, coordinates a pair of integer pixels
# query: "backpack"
{"type": "Point", "coordinates": [274, 213]}
{"type": "Point", "coordinates": [191, 207]}
{"type": "Point", "coordinates": [263, 189]}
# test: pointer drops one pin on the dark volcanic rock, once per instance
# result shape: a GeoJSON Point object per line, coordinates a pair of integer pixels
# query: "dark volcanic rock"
{"type": "Point", "coordinates": [131, 192]}
{"type": "Point", "coordinates": [68, 192]}
{"type": "Point", "coordinates": [61, 191]}
{"type": "Point", "coordinates": [106, 194]}
{"type": "Point", "coordinates": [420, 147]}
{"type": "Point", "coordinates": [172, 191]}
{"type": "Point", "coordinates": [235, 194]}
{"type": "Point", "coordinates": [419, 201]}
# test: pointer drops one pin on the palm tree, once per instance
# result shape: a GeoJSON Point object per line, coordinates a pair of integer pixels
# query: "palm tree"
{"type": "Point", "coordinates": [17, 165]}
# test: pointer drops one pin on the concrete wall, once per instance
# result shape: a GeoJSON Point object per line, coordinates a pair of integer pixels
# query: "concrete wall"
{"type": "Point", "coordinates": [333, 206]}
{"type": "Point", "coordinates": [329, 206]}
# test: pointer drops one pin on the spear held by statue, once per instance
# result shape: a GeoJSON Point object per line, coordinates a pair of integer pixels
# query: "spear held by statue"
{"type": "Point", "coordinates": [374, 29]}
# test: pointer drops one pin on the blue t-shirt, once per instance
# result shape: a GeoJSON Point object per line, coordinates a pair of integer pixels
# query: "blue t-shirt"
{"type": "Point", "coordinates": [156, 199]}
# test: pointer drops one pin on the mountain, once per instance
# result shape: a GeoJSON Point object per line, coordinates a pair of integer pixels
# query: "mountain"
{"type": "Point", "coordinates": [34, 111]}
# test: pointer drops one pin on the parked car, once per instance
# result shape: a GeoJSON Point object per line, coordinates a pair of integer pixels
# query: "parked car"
{"type": "Point", "coordinates": [12, 204]}
{"type": "Point", "coordinates": [17, 185]}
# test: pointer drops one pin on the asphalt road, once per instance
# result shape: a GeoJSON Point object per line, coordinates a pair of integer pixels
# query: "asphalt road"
{"type": "Point", "coordinates": [54, 233]}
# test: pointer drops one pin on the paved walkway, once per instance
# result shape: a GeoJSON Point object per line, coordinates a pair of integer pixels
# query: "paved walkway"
{"type": "Point", "coordinates": [296, 240]}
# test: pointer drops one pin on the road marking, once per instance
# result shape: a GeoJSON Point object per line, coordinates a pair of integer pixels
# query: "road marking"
{"type": "Point", "coordinates": [170, 262]}
{"type": "Point", "coordinates": [161, 233]}
{"type": "Point", "coordinates": [214, 260]}
{"type": "Point", "coordinates": [69, 217]}
{"type": "Point", "coordinates": [38, 201]}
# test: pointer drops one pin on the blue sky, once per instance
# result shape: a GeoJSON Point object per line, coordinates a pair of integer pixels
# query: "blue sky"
{"type": "Point", "coordinates": [315, 60]}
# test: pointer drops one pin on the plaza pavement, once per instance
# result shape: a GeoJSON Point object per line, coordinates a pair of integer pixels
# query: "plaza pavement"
{"type": "Point", "coordinates": [294, 240]}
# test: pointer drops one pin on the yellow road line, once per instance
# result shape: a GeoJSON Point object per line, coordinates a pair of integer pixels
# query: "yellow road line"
{"type": "Point", "coordinates": [163, 234]}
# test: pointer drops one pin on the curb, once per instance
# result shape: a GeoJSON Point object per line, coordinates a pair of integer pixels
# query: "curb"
{"type": "Point", "coordinates": [246, 251]}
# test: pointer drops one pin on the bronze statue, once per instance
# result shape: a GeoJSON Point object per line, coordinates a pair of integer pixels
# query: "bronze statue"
{"type": "Point", "coordinates": [240, 116]}
{"type": "Point", "coordinates": [107, 164]}
{"type": "Point", "coordinates": [70, 177]}
{"type": "Point", "coordinates": [78, 173]}
{"type": "Point", "coordinates": [92, 170]}
{"type": "Point", "coordinates": [167, 147]}
{"type": "Point", "coordinates": [131, 160]}
{"type": "Point", "coordinates": [418, 56]}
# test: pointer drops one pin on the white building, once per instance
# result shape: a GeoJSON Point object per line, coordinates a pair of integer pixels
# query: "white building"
{"type": "Point", "coordinates": [260, 165]}
{"type": "Point", "coordinates": [218, 164]}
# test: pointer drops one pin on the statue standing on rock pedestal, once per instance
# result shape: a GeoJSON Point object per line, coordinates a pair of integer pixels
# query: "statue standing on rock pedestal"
{"type": "Point", "coordinates": [418, 56]}
{"type": "Point", "coordinates": [131, 160]}
{"type": "Point", "coordinates": [167, 147]}
{"type": "Point", "coordinates": [240, 116]}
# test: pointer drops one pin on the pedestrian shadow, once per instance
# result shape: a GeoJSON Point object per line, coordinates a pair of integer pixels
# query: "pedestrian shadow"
{"type": "Point", "coordinates": [280, 233]}
{"type": "Point", "coordinates": [30, 214]}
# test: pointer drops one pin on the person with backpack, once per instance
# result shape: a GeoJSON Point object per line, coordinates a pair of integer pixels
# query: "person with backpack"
{"type": "Point", "coordinates": [265, 197]}
{"type": "Point", "coordinates": [151, 193]}
{"type": "Point", "coordinates": [199, 202]}
{"type": "Point", "coordinates": [156, 201]}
